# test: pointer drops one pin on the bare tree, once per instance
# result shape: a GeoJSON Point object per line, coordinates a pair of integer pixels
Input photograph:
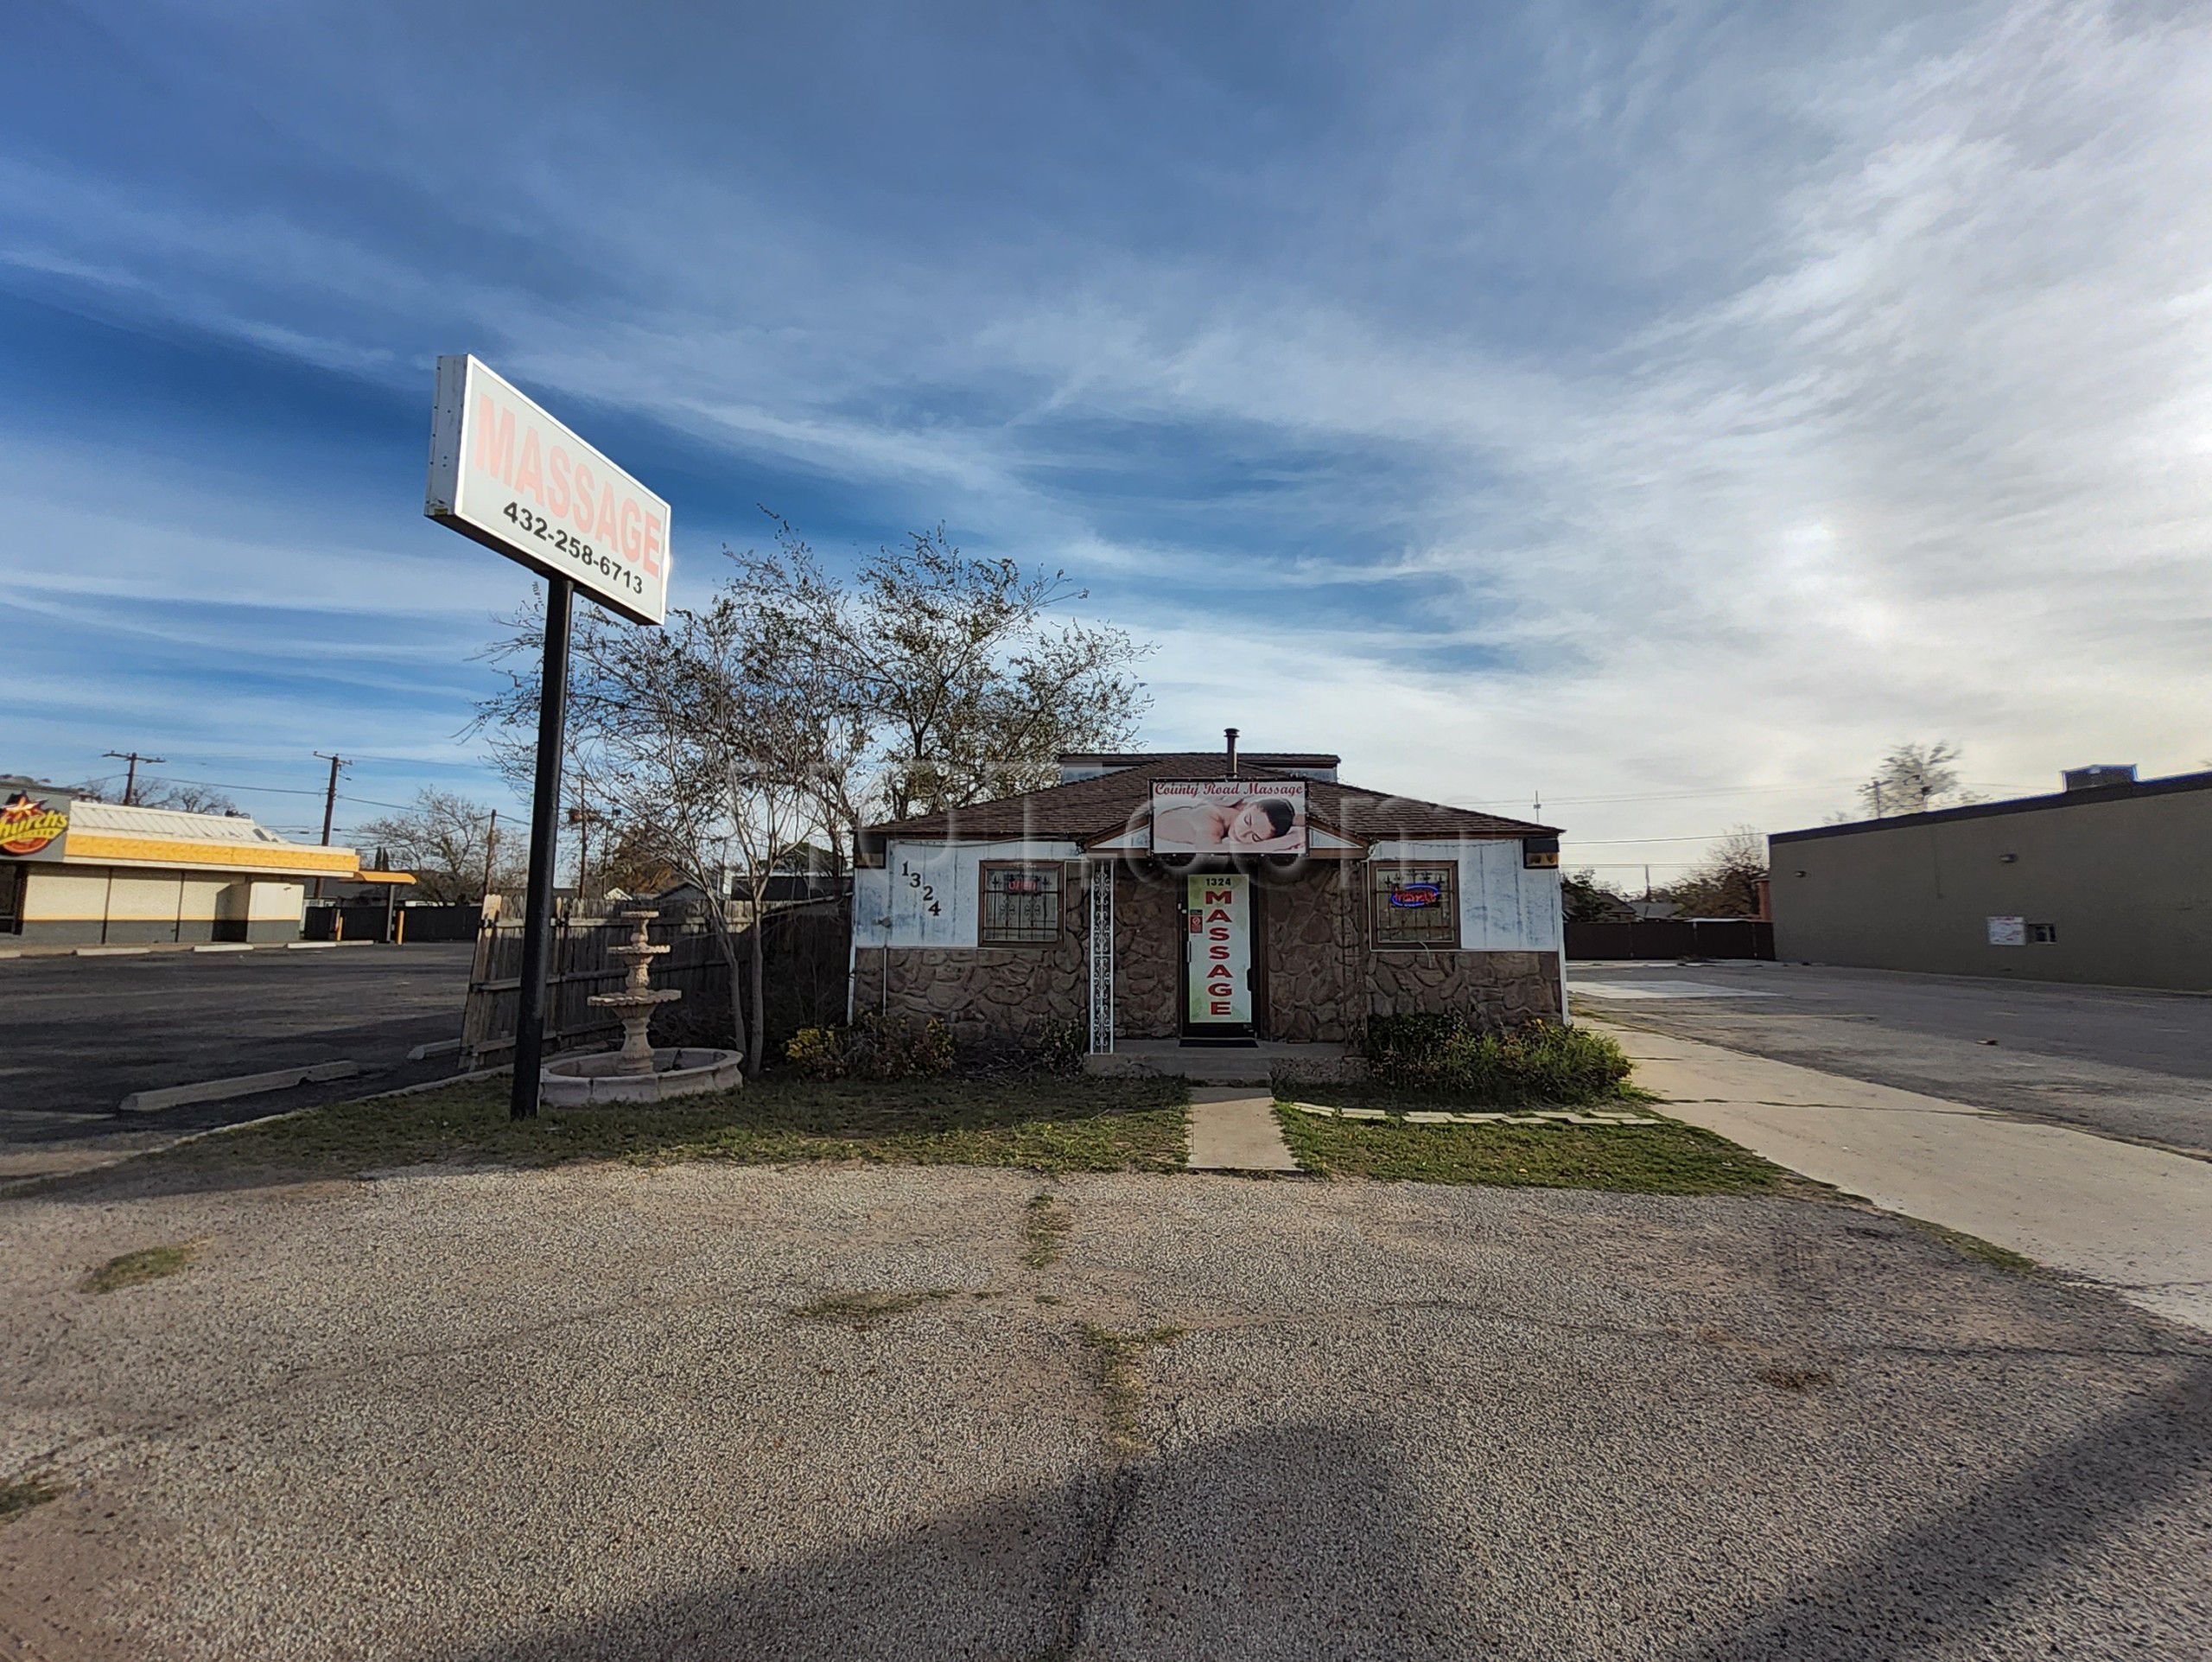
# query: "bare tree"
{"type": "Point", "coordinates": [794, 708]}
{"type": "Point", "coordinates": [1726, 882]}
{"type": "Point", "coordinates": [938, 679]}
{"type": "Point", "coordinates": [184, 796]}
{"type": "Point", "coordinates": [441, 839]}
{"type": "Point", "coordinates": [1914, 778]}
{"type": "Point", "coordinates": [672, 734]}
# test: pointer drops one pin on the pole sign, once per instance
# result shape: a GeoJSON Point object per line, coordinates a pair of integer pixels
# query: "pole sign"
{"type": "Point", "coordinates": [506, 473]}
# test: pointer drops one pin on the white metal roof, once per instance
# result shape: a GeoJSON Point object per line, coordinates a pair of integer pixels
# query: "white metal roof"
{"type": "Point", "coordinates": [87, 815]}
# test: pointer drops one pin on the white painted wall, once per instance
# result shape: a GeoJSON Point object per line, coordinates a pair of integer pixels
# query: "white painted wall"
{"type": "Point", "coordinates": [891, 904]}
{"type": "Point", "coordinates": [1503, 906]}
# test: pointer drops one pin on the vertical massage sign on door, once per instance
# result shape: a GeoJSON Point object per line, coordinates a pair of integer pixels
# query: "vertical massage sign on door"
{"type": "Point", "coordinates": [1220, 913]}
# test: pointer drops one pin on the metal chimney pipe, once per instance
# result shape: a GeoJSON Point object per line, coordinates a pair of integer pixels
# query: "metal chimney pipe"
{"type": "Point", "coordinates": [1230, 733]}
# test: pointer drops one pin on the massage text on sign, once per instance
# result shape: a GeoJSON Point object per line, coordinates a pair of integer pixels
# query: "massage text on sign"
{"type": "Point", "coordinates": [506, 473]}
{"type": "Point", "coordinates": [1220, 964]}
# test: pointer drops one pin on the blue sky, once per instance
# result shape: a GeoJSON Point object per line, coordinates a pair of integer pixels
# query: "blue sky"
{"type": "Point", "coordinates": [1663, 411]}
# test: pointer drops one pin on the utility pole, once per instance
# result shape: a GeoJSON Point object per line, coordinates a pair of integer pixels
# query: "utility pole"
{"type": "Point", "coordinates": [330, 804]}
{"type": "Point", "coordinates": [130, 775]}
{"type": "Point", "coordinates": [579, 816]}
{"type": "Point", "coordinates": [491, 846]}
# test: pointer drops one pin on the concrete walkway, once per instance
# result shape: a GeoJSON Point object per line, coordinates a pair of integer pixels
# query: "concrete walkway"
{"type": "Point", "coordinates": [2135, 1219]}
{"type": "Point", "coordinates": [1234, 1130]}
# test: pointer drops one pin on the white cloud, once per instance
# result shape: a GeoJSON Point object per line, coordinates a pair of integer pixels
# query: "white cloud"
{"type": "Point", "coordinates": [1895, 418]}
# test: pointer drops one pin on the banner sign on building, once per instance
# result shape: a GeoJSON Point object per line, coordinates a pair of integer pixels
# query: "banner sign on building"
{"type": "Point", "coordinates": [1219, 971]}
{"type": "Point", "coordinates": [1229, 816]}
{"type": "Point", "coordinates": [31, 828]}
{"type": "Point", "coordinates": [506, 473]}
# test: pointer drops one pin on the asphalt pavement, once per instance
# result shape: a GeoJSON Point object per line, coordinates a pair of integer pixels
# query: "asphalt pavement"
{"type": "Point", "coordinates": [717, 1412]}
{"type": "Point", "coordinates": [79, 1034]}
{"type": "Point", "coordinates": [2121, 1063]}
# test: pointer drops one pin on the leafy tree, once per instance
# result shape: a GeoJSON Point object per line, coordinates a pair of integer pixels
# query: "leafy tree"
{"type": "Point", "coordinates": [794, 707]}
{"type": "Point", "coordinates": [446, 841]}
{"type": "Point", "coordinates": [1725, 883]}
{"type": "Point", "coordinates": [1587, 898]}
{"type": "Point", "coordinates": [1914, 778]}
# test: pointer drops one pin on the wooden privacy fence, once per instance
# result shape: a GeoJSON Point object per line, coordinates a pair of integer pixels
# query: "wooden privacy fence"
{"type": "Point", "coordinates": [367, 920]}
{"type": "Point", "coordinates": [804, 956]}
{"type": "Point", "coordinates": [1672, 938]}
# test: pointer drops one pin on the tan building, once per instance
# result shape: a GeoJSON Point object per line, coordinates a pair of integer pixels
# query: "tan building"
{"type": "Point", "coordinates": [2108, 880]}
{"type": "Point", "coordinates": [79, 873]}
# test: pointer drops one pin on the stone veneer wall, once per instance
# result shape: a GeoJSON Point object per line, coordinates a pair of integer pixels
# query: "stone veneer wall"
{"type": "Point", "coordinates": [1147, 954]}
{"type": "Point", "coordinates": [990, 992]}
{"type": "Point", "coordinates": [1321, 981]}
{"type": "Point", "coordinates": [1310, 926]}
{"type": "Point", "coordinates": [1502, 989]}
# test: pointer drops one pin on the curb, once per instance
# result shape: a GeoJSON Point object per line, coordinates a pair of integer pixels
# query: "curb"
{"type": "Point", "coordinates": [245, 1084]}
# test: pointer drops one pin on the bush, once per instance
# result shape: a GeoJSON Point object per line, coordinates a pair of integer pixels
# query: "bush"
{"type": "Point", "coordinates": [1058, 1047]}
{"type": "Point", "coordinates": [873, 1047]}
{"type": "Point", "coordinates": [1449, 1054]}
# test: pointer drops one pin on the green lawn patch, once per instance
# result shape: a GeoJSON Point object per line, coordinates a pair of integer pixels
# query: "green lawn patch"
{"type": "Point", "coordinates": [1042, 1123]}
{"type": "Point", "coordinates": [148, 1264]}
{"type": "Point", "coordinates": [1667, 1158]}
{"type": "Point", "coordinates": [1120, 1382]}
{"type": "Point", "coordinates": [19, 1494]}
{"type": "Point", "coordinates": [1044, 1227]}
{"type": "Point", "coordinates": [863, 1310]}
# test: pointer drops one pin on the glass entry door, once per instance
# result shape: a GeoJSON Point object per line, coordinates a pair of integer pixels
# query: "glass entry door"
{"type": "Point", "coordinates": [1218, 957]}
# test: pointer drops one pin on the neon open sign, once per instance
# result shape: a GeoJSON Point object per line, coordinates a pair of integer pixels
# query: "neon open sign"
{"type": "Point", "coordinates": [1409, 895]}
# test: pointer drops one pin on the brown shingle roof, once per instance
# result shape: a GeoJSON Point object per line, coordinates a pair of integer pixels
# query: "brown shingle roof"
{"type": "Point", "coordinates": [1092, 807]}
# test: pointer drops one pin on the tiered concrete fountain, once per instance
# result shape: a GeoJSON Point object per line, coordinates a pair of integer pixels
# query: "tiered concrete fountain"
{"type": "Point", "coordinates": [636, 1073]}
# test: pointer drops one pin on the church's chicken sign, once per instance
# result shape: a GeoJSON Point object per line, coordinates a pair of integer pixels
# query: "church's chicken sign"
{"type": "Point", "coordinates": [29, 826]}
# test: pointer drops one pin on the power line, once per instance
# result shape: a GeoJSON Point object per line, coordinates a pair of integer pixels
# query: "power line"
{"type": "Point", "coordinates": [131, 778]}
{"type": "Point", "coordinates": [1732, 790]}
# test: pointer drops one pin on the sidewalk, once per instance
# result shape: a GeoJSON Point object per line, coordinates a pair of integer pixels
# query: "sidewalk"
{"type": "Point", "coordinates": [2138, 1220]}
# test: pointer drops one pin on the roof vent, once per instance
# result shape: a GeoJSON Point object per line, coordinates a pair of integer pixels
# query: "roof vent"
{"type": "Point", "coordinates": [2099, 775]}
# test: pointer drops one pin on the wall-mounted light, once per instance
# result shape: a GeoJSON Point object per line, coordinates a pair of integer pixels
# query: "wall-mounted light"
{"type": "Point", "coordinates": [1800, 873]}
{"type": "Point", "coordinates": [2006, 859]}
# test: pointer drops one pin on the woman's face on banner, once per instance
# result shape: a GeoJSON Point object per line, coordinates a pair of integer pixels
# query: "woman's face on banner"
{"type": "Point", "coordinates": [1250, 823]}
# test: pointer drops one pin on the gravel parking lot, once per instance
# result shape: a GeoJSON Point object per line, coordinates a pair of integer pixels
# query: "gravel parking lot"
{"type": "Point", "coordinates": [709, 1411]}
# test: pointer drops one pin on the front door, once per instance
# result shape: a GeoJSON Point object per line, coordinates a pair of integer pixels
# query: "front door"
{"type": "Point", "coordinates": [1217, 958]}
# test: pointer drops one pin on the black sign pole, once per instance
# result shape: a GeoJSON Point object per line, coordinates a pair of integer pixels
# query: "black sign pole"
{"type": "Point", "coordinates": [544, 828]}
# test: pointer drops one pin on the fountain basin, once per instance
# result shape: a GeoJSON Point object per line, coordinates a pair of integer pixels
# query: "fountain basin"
{"type": "Point", "coordinates": [597, 1076]}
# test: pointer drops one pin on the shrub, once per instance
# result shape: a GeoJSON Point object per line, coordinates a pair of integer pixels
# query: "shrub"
{"type": "Point", "coordinates": [1058, 1047]}
{"type": "Point", "coordinates": [818, 1053]}
{"type": "Point", "coordinates": [1540, 1062]}
{"type": "Point", "coordinates": [873, 1047]}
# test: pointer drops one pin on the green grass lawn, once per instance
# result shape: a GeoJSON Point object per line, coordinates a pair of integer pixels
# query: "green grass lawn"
{"type": "Point", "coordinates": [1042, 1123]}
{"type": "Point", "coordinates": [1667, 1158]}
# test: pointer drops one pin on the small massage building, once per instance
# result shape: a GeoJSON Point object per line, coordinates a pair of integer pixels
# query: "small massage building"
{"type": "Point", "coordinates": [1206, 897]}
